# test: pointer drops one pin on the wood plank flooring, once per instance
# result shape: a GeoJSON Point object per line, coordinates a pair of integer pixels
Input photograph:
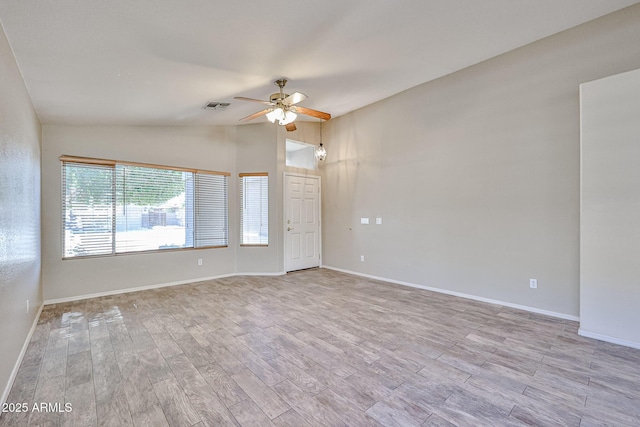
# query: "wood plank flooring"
{"type": "Point", "coordinates": [317, 348]}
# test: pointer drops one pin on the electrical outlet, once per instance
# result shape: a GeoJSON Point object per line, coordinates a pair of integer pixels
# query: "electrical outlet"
{"type": "Point", "coordinates": [199, 261]}
{"type": "Point", "coordinates": [362, 258]}
{"type": "Point", "coordinates": [533, 283]}
{"type": "Point", "coordinates": [378, 221]}
{"type": "Point", "coordinates": [27, 306]}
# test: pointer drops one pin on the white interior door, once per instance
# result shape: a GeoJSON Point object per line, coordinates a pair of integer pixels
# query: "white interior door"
{"type": "Point", "coordinates": [302, 222]}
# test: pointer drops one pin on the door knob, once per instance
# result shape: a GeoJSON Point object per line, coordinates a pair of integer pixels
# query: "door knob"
{"type": "Point", "coordinates": [289, 228]}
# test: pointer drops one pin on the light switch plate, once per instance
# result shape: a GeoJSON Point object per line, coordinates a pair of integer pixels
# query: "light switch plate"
{"type": "Point", "coordinates": [364, 220]}
{"type": "Point", "coordinates": [378, 221]}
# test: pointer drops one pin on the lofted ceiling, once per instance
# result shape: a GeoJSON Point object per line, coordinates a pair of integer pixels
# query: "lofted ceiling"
{"type": "Point", "coordinates": [159, 61]}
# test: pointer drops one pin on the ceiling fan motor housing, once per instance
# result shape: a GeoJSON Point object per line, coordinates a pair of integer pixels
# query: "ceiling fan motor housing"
{"type": "Point", "coordinates": [277, 97]}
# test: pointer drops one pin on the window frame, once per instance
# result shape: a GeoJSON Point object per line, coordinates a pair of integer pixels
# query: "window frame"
{"type": "Point", "coordinates": [241, 177]}
{"type": "Point", "coordinates": [64, 159]}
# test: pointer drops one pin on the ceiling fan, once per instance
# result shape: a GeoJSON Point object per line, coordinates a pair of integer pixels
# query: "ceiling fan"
{"type": "Point", "coordinates": [283, 108]}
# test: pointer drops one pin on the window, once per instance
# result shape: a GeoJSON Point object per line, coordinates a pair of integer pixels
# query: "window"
{"type": "Point", "coordinates": [254, 209]}
{"type": "Point", "coordinates": [301, 155]}
{"type": "Point", "coordinates": [111, 207]}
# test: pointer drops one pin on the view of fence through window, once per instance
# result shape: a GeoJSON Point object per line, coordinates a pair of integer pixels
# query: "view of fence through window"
{"type": "Point", "coordinates": [123, 208]}
{"type": "Point", "coordinates": [150, 209]}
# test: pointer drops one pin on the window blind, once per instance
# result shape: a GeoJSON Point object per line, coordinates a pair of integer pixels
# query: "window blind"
{"type": "Point", "coordinates": [211, 218]}
{"type": "Point", "coordinates": [88, 216]}
{"type": "Point", "coordinates": [254, 209]}
{"type": "Point", "coordinates": [111, 207]}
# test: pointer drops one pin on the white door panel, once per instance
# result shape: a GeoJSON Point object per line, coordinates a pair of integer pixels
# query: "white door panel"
{"type": "Point", "coordinates": [302, 216]}
{"type": "Point", "coordinates": [311, 244]}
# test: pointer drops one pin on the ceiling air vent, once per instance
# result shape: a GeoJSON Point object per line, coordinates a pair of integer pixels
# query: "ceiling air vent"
{"type": "Point", "coordinates": [216, 105]}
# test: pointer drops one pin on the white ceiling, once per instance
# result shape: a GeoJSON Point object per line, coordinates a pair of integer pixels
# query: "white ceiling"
{"type": "Point", "coordinates": [159, 61]}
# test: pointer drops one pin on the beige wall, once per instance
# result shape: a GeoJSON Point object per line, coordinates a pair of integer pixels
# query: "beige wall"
{"type": "Point", "coordinates": [20, 265]}
{"type": "Point", "coordinates": [610, 211]}
{"type": "Point", "coordinates": [211, 148]}
{"type": "Point", "coordinates": [233, 149]}
{"type": "Point", "coordinates": [476, 174]}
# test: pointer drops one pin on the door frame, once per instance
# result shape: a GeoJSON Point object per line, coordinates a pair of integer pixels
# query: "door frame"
{"type": "Point", "coordinates": [284, 217]}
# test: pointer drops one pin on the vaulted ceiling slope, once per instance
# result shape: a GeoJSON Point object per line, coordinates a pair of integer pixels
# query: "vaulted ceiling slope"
{"type": "Point", "coordinates": [159, 61]}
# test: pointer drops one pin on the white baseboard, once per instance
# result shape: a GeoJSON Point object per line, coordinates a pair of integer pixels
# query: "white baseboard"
{"type": "Point", "coordinates": [156, 286]}
{"type": "Point", "coordinates": [607, 338]}
{"type": "Point", "coordinates": [16, 367]}
{"type": "Point", "coordinates": [460, 294]}
{"type": "Point", "coordinates": [278, 273]}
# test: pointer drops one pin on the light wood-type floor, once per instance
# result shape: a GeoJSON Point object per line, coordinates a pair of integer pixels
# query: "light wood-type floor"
{"type": "Point", "coordinates": [317, 348]}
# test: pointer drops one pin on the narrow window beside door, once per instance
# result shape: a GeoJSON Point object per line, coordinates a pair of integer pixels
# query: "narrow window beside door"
{"type": "Point", "coordinates": [254, 209]}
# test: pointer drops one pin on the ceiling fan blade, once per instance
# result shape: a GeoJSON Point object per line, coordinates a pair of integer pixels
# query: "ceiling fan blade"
{"type": "Point", "coordinates": [242, 98]}
{"type": "Point", "coordinates": [290, 127]}
{"type": "Point", "coordinates": [254, 115]}
{"type": "Point", "coordinates": [313, 113]}
{"type": "Point", "coordinates": [294, 98]}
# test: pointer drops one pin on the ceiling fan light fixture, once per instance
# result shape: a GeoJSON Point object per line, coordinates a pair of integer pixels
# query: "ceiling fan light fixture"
{"type": "Point", "coordinates": [287, 117]}
{"type": "Point", "coordinates": [275, 114]}
{"type": "Point", "coordinates": [284, 117]}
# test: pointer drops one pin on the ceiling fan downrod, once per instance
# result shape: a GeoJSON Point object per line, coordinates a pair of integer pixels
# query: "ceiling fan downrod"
{"type": "Point", "coordinates": [276, 97]}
